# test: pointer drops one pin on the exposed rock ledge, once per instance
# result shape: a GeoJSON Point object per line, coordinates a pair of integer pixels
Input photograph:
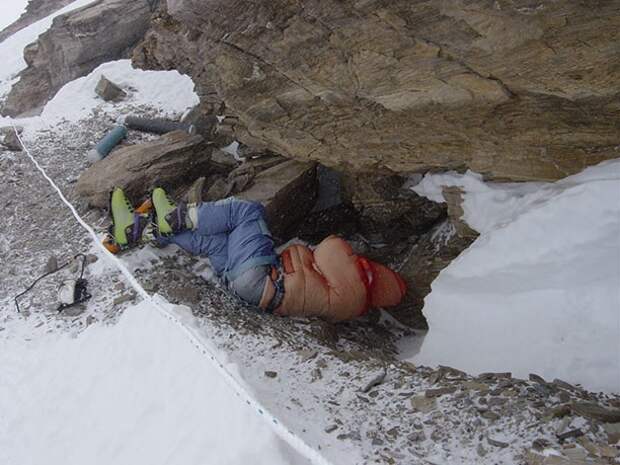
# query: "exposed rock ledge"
{"type": "Point", "coordinates": [516, 90]}
{"type": "Point", "coordinates": [76, 44]}
{"type": "Point", "coordinates": [36, 10]}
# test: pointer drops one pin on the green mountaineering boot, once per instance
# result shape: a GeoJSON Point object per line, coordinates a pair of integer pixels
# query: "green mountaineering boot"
{"type": "Point", "coordinates": [128, 225]}
{"type": "Point", "coordinates": [170, 218]}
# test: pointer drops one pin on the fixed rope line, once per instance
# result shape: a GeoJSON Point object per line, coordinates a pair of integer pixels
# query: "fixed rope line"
{"type": "Point", "coordinates": [286, 434]}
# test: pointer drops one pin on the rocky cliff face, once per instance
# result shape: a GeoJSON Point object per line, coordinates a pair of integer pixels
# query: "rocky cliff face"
{"type": "Point", "coordinates": [76, 44]}
{"type": "Point", "coordinates": [521, 90]}
{"type": "Point", "coordinates": [36, 10]}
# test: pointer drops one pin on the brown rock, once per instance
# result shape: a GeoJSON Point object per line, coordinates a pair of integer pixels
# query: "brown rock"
{"type": "Point", "coordinates": [204, 124]}
{"type": "Point", "coordinates": [613, 432]}
{"type": "Point", "coordinates": [253, 167]}
{"type": "Point", "coordinates": [494, 376]}
{"type": "Point", "coordinates": [596, 412]}
{"type": "Point", "coordinates": [382, 199]}
{"type": "Point", "coordinates": [503, 88]}
{"type": "Point", "coordinates": [497, 443]}
{"type": "Point", "coordinates": [558, 412]}
{"type": "Point", "coordinates": [76, 43]}
{"type": "Point", "coordinates": [537, 379]}
{"type": "Point", "coordinates": [423, 404]}
{"type": "Point", "coordinates": [573, 433]}
{"type": "Point", "coordinates": [440, 391]}
{"type": "Point", "coordinates": [171, 159]}
{"type": "Point", "coordinates": [9, 140]}
{"type": "Point", "coordinates": [490, 415]}
{"type": "Point", "coordinates": [219, 189]}
{"type": "Point", "coordinates": [223, 160]}
{"type": "Point", "coordinates": [288, 192]}
{"type": "Point", "coordinates": [185, 294]}
{"type": "Point", "coordinates": [431, 253]}
{"type": "Point", "coordinates": [475, 386]}
{"type": "Point", "coordinates": [454, 199]}
{"type": "Point", "coordinates": [109, 91]}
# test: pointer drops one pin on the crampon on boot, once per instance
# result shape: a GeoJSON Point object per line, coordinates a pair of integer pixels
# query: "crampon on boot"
{"type": "Point", "coordinates": [128, 225]}
{"type": "Point", "coordinates": [170, 218]}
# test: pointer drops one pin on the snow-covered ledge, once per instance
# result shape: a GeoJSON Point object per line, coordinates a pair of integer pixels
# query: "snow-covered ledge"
{"type": "Point", "coordinates": [539, 290]}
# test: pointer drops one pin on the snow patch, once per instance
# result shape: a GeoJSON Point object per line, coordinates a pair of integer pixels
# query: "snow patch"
{"type": "Point", "coordinates": [169, 91]}
{"type": "Point", "coordinates": [135, 392]}
{"type": "Point", "coordinates": [160, 89]}
{"type": "Point", "coordinates": [539, 290]}
{"type": "Point", "coordinates": [10, 11]}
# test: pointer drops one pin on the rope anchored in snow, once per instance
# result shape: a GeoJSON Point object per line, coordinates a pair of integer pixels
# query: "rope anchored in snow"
{"type": "Point", "coordinates": [287, 435]}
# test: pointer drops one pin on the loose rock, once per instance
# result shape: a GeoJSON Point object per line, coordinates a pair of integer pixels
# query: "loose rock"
{"type": "Point", "coordinates": [172, 159]}
{"type": "Point", "coordinates": [439, 391]}
{"type": "Point", "coordinates": [496, 443]}
{"type": "Point", "coordinates": [375, 380]}
{"type": "Point", "coordinates": [597, 412]}
{"type": "Point", "coordinates": [109, 91]}
{"type": "Point", "coordinates": [423, 404]}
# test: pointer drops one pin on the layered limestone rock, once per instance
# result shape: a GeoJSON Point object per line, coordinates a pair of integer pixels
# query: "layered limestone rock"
{"type": "Point", "coordinates": [520, 90]}
{"type": "Point", "coordinates": [174, 160]}
{"type": "Point", "coordinates": [287, 190]}
{"type": "Point", "coordinates": [76, 44]}
{"type": "Point", "coordinates": [35, 10]}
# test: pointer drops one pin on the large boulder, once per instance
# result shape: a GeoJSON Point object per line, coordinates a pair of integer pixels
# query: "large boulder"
{"type": "Point", "coordinates": [432, 252]}
{"type": "Point", "coordinates": [175, 159]}
{"type": "Point", "coordinates": [9, 140]}
{"type": "Point", "coordinates": [513, 89]}
{"type": "Point", "coordinates": [76, 43]}
{"type": "Point", "coordinates": [288, 191]}
{"type": "Point", "coordinates": [383, 203]}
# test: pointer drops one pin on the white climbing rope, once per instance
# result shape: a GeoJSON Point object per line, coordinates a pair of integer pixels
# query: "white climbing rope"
{"type": "Point", "coordinates": [287, 435]}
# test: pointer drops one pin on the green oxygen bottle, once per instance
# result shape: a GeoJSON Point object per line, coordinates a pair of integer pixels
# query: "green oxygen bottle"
{"type": "Point", "coordinates": [105, 145]}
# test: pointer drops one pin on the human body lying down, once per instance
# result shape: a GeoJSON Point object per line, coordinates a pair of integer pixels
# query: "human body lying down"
{"type": "Point", "coordinates": [330, 282]}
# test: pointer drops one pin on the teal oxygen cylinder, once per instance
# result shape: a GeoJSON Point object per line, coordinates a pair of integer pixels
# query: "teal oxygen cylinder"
{"type": "Point", "coordinates": [105, 145]}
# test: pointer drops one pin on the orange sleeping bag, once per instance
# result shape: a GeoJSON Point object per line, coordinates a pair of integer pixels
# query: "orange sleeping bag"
{"type": "Point", "coordinates": [334, 283]}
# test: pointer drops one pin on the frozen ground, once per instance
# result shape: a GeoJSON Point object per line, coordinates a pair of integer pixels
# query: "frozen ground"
{"type": "Point", "coordinates": [313, 376]}
{"type": "Point", "coordinates": [130, 387]}
{"type": "Point", "coordinates": [339, 388]}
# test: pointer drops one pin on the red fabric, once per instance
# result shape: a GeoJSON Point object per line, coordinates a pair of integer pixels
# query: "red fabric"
{"type": "Point", "coordinates": [334, 283]}
{"type": "Point", "coordinates": [387, 287]}
{"type": "Point", "coordinates": [367, 278]}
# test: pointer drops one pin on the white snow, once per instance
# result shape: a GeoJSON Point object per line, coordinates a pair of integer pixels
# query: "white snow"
{"type": "Point", "coordinates": [539, 290]}
{"type": "Point", "coordinates": [169, 91]}
{"type": "Point", "coordinates": [10, 11]}
{"type": "Point", "coordinates": [11, 50]}
{"type": "Point", "coordinates": [135, 392]}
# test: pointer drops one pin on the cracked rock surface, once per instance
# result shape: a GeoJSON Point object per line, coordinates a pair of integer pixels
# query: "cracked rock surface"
{"type": "Point", "coordinates": [516, 90]}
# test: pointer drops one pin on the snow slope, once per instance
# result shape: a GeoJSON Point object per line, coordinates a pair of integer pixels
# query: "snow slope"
{"type": "Point", "coordinates": [136, 392]}
{"type": "Point", "coordinates": [12, 49]}
{"type": "Point", "coordinates": [539, 290]}
{"type": "Point", "coordinates": [10, 11]}
{"type": "Point", "coordinates": [169, 91]}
